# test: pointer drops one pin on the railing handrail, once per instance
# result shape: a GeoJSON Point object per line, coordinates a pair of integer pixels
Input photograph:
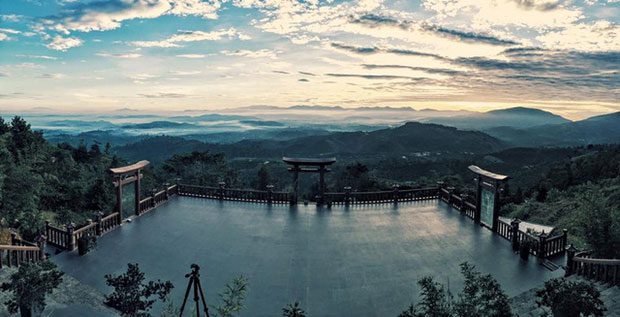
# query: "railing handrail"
{"type": "Point", "coordinates": [108, 217]}
{"type": "Point", "coordinates": [18, 247]}
{"type": "Point", "coordinates": [384, 191]}
{"type": "Point", "coordinates": [84, 228]}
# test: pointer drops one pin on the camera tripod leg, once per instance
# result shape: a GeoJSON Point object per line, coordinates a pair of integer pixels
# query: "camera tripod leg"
{"type": "Point", "coordinates": [189, 285]}
{"type": "Point", "coordinates": [202, 296]}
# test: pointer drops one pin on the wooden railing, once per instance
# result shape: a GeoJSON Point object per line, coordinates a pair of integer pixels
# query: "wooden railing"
{"type": "Point", "coordinates": [157, 199]}
{"type": "Point", "coordinates": [504, 229]}
{"type": "Point", "coordinates": [602, 270]}
{"type": "Point", "coordinates": [221, 193]}
{"type": "Point", "coordinates": [15, 255]}
{"type": "Point", "coordinates": [378, 197]}
{"type": "Point", "coordinates": [57, 237]}
{"type": "Point", "coordinates": [87, 230]}
{"type": "Point", "coordinates": [108, 223]}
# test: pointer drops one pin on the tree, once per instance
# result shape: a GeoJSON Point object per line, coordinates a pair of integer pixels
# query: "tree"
{"type": "Point", "coordinates": [131, 296]}
{"type": "Point", "coordinates": [481, 295]}
{"type": "Point", "coordinates": [293, 310]}
{"type": "Point", "coordinates": [233, 297]}
{"type": "Point", "coordinates": [435, 301]}
{"type": "Point", "coordinates": [29, 285]}
{"type": "Point", "coordinates": [570, 299]}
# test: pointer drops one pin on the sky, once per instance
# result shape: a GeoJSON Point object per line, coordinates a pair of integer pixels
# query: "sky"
{"type": "Point", "coordinates": [175, 55]}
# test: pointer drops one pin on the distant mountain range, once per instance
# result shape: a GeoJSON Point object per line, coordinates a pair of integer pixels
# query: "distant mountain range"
{"type": "Point", "coordinates": [410, 139]}
{"type": "Point", "coordinates": [602, 129]}
{"type": "Point", "coordinates": [517, 117]}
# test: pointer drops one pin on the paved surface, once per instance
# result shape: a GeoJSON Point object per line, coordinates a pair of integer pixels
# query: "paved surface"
{"type": "Point", "coordinates": [358, 261]}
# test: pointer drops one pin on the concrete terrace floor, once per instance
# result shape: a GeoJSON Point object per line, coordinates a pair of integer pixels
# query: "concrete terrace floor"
{"type": "Point", "coordinates": [357, 261]}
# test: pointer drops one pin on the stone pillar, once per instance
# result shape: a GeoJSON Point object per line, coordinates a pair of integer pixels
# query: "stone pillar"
{"type": "Point", "coordinates": [322, 185]}
{"type": "Point", "coordinates": [395, 193]}
{"type": "Point", "coordinates": [295, 196]}
{"type": "Point", "coordinates": [570, 255]}
{"type": "Point", "coordinates": [119, 196]}
{"type": "Point", "coordinates": [270, 194]}
{"type": "Point", "coordinates": [347, 195]}
{"type": "Point", "coordinates": [41, 241]}
{"type": "Point", "coordinates": [70, 238]}
{"type": "Point", "coordinates": [137, 194]}
{"type": "Point", "coordinates": [496, 206]}
{"type": "Point", "coordinates": [98, 217]}
{"type": "Point", "coordinates": [514, 238]}
{"type": "Point", "coordinates": [542, 241]}
{"type": "Point", "coordinates": [477, 212]}
{"type": "Point", "coordinates": [222, 186]}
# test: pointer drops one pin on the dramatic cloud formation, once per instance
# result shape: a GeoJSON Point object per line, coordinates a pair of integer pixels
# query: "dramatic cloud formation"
{"type": "Point", "coordinates": [202, 53]}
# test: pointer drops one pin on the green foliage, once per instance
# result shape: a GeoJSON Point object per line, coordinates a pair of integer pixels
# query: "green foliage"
{"type": "Point", "coordinates": [29, 286]}
{"type": "Point", "coordinates": [435, 301]}
{"type": "Point", "coordinates": [293, 310]}
{"type": "Point", "coordinates": [570, 299]}
{"type": "Point", "coordinates": [481, 296]}
{"type": "Point", "coordinates": [263, 177]}
{"type": "Point", "coordinates": [37, 178]}
{"type": "Point", "coordinates": [232, 298]}
{"type": "Point", "coordinates": [198, 168]}
{"type": "Point", "coordinates": [132, 296]}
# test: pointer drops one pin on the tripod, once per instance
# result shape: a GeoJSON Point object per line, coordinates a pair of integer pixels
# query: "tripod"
{"type": "Point", "coordinates": [194, 280]}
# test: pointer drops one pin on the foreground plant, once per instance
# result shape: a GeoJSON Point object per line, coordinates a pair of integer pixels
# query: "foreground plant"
{"type": "Point", "coordinates": [29, 285]}
{"type": "Point", "coordinates": [233, 297]}
{"type": "Point", "coordinates": [131, 296]}
{"type": "Point", "coordinates": [293, 310]}
{"type": "Point", "coordinates": [481, 296]}
{"type": "Point", "coordinates": [570, 299]}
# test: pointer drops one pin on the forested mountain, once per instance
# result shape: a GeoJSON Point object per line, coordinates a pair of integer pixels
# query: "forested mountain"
{"type": "Point", "coordinates": [410, 139]}
{"type": "Point", "coordinates": [604, 129]}
{"type": "Point", "coordinates": [517, 117]}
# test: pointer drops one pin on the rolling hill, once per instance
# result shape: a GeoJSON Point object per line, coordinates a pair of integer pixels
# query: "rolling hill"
{"type": "Point", "coordinates": [517, 117]}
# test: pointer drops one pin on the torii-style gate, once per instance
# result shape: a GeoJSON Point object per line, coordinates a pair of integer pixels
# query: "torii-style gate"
{"type": "Point", "coordinates": [488, 187]}
{"type": "Point", "coordinates": [308, 165]}
{"type": "Point", "coordinates": [127, 175]}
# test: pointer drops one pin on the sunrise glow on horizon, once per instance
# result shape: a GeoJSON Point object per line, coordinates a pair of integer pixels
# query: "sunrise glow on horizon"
{"type": "Point", "coordinates": [177, 55]}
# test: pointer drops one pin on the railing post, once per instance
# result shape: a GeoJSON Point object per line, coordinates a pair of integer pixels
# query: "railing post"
{"type": "Point", "coordinates": [462, 206]}
{"type": "Point", "coordinates": [46, 230]}
{"type": "Point", "coordinates": [542, 241]}
{"type": "Point", "coordinates": [70, 241]}
{"type": "Point", "coordinates": [270, 193]}
{"type": "Point", "coordinates": [98, 217]}
{"type": "Point", "coordinates": [41, 241]}
{"type": "Point", "coordinates": [13, 238]}
{"type": "Point", "coordinates": [450, 190]}
{"type": "Point", "coordinates": [395, 192]}
{"type": "Point", "coordinates": [221, 190]}
{"type": "Point", "coordinates": [564, 238]}
{"type": "Point", "coordinates": [514, 238]}
{"type": "Point", "coordinates": [347, 195]}
{"type": "Point", "coordinates": [570, 264]}
{"type": "Point", "coordinates": [166, 186]}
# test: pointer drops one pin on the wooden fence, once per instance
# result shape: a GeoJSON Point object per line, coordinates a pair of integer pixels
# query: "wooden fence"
{"type": "Point", "coordinates": [542, 245]}
{"type": "Point", "coordinates": [602, 270]}
{"type": "Point", "coordinates": [21, 251]}
{"type": "Point", "coordinates": [379, 197]}
{"type": "Point", "coordinates": [222, 193]}
{"type": "Point", "coordinates": [157, 199]}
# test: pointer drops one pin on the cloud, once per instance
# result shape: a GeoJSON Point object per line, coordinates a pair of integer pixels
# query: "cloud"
{"type": "Point", "coordinates": [469, 36]}
{"type": "Point", "coordinates": [303, 80]}
{"type": "Point", "coordinates": [37, 56]}
{"type": "Point", "coordinates": [119, 55]}
{"type": "Point", "coordinates": [195, 56]}
{"type": "Point", "coordinates": [441, 71]}
{"type": "Point", "coordinates": [264, 53]}
{"type": "Point", "coordinates": [60, 43]}
{"type": "Point", "coordinates": [372, 76]}
{"type": "Point", "coordinates": [192, 36]}
{"type": "Point", "coordinates": [109, 14]}
{"type": "Point", "coordinates": [375, 50]}
{"type": "Point", "coordinates": [52, 76]}
{"type": "Point", "coordinates": [11, 17]}
{"type": "Point", "coordinates": [307, 73]}
{"type": "Point", "coordinates": [164, 95]}
{"type": "Point", "coordinates": [4, 37]}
